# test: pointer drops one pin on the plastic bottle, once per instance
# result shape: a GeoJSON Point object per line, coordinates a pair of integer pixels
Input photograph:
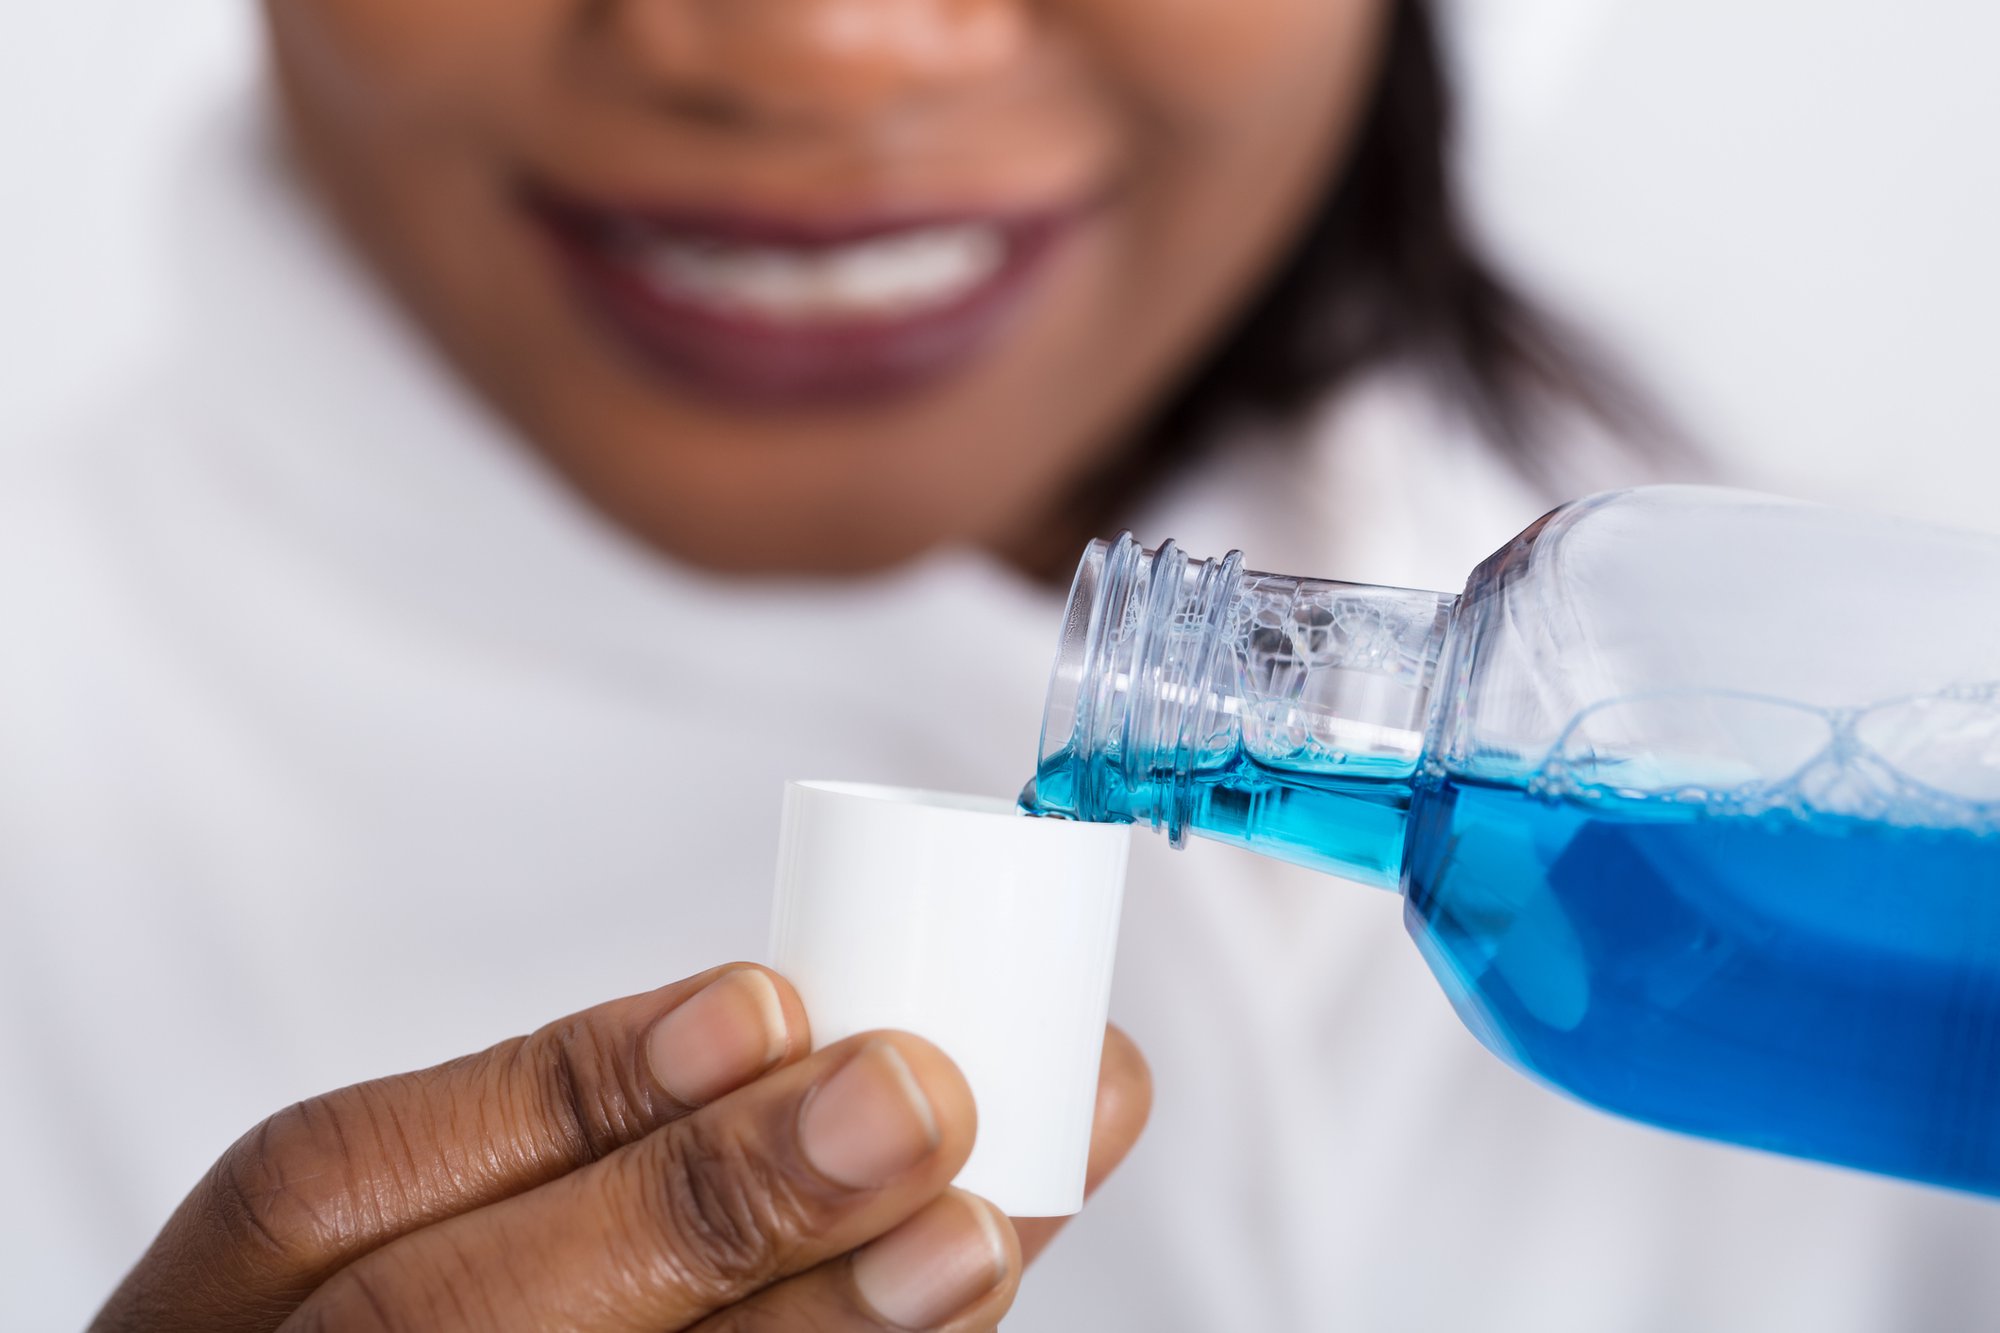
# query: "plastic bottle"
{"type": "Point", "coordinates": [1693, 796]}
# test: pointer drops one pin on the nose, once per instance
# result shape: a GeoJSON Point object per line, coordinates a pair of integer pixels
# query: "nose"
{"type": "Point", "coordinates": [790, 60]}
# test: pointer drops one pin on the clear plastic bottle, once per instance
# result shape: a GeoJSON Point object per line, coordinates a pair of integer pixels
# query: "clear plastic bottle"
{"type": "Point", "coordinates": [1693, 795]}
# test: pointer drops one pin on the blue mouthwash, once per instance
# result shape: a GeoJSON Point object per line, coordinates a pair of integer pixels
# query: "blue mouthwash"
{"type": "Point", "coordinates": [1693, 797]}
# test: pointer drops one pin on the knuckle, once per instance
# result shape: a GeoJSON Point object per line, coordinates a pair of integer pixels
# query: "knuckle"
{"type": "Point", "coordinates": [286, 1187]}
{"type": "Point", "coordinates": [325, 1175]}
{"type": "Point", "coordinates": [732, 1217]}
{"type": "Point", "coordinates": [579, 1089]}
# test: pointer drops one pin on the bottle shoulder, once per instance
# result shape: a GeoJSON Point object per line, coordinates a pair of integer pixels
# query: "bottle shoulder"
{"type": "Point", "coordinates": [1730, 645]}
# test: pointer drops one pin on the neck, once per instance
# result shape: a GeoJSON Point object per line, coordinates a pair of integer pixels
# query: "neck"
{"type": "Point", "coordinates": [1279, 713]}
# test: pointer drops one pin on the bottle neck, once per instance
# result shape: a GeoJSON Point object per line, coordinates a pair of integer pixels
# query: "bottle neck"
{"type": "Point", "coordinates": [1282, 714]}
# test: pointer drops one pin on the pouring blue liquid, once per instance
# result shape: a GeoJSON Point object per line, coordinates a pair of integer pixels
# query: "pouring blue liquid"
{"type": "Point", "coordinates": [1724, 913]}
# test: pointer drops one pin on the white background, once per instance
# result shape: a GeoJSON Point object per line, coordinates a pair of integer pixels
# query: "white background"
{"type": "Point", "coordinates": [1782, 211]}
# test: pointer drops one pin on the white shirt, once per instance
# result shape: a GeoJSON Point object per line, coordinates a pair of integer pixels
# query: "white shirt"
{"type": "Point", "coordinates": [337, 739]}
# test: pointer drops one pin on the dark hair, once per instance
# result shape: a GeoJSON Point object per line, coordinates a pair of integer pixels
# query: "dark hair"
{"type": "Point", "coordinates": [1386, 272]}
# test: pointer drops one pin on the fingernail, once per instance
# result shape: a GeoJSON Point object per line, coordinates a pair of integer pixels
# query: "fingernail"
{"type": "Point", "coordinates": [870, 1122]}
{"type": "Point", "coordinates": [936, 1264]}
{"type": "Point", "coordinates": [720, 1038]}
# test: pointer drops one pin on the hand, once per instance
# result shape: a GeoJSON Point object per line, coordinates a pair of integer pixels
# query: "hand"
{"type": "Point", "coordinates": [669, 1161]}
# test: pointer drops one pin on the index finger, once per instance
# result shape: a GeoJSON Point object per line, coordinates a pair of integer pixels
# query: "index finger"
{"type": "Point", "coordinates": [324, 1182]}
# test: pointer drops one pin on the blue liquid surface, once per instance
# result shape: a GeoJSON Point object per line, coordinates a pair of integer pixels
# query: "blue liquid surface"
{"type": "Point", "coordinates": [1815, 985]}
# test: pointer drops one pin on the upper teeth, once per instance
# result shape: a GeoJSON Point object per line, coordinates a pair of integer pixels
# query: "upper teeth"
{"type": "Point", "coordinates": [888, 275]}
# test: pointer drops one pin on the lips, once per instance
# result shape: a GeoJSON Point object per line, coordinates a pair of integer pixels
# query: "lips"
{"type": "Point", "coordinates": [772, 311]}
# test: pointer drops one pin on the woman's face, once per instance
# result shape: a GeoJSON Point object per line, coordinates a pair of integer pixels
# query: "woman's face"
{"type": "Point", "coordinates": [788, 284]}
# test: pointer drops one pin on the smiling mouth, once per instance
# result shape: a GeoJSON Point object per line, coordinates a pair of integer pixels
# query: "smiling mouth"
{"type": "Point", "coordinates": [772, 311]}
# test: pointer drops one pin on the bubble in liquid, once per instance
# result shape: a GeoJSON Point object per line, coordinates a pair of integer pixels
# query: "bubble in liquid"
{"type": "Point", "coordinates": [1948, 743]}
{"type": "Point", "coordinates": [1926, 762]}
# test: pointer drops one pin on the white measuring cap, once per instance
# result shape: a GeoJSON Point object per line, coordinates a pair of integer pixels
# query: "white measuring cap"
{"type": "Point", "coordinates": [986, 932]}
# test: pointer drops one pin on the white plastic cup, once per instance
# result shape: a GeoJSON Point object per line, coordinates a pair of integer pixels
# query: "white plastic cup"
{"type": "Point", "coordinates": [983, 930]}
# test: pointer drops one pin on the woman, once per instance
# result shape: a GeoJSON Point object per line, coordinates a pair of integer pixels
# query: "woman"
{"type": "Point", "coordinates": [380, 681]}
